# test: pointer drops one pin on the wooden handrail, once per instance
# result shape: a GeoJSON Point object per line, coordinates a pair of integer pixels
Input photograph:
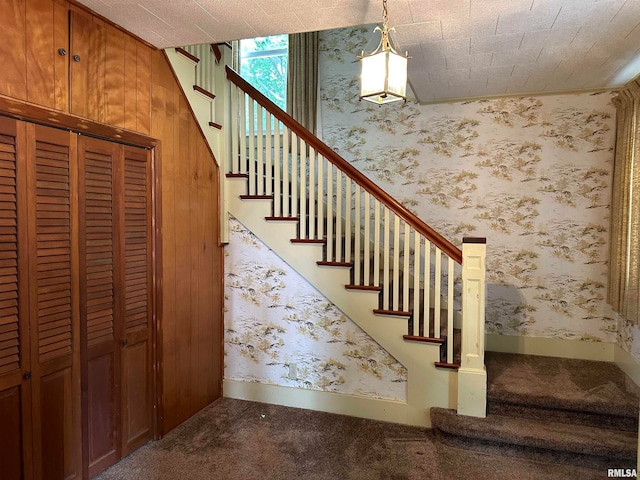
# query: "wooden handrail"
{"type": "Point", "coordinates": [216, 52]}
{"type": "Point", "coordinates": [319, 146]}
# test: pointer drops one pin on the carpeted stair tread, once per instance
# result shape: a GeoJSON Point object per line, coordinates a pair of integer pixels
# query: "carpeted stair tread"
{"type": "Point", "coordinates": [576, 439]}
{"type": "Point", "coordinates": [497, 407]}
{"type": "Point", "coordinates": [560, 383]}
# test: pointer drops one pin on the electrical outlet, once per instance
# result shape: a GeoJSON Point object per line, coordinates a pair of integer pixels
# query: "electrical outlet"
{"type": "Point", "coordinates": [293, 371]}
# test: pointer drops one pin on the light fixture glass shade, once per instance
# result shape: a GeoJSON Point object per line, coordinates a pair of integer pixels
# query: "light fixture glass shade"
{"type": "Point", "coordinates": [383, 76]}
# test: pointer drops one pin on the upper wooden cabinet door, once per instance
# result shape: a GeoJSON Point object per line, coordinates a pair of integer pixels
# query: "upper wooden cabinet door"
{"type": "Point", "coordinates": [47, 45]}
{"type": "Point", "coordinates": [87, 66]}
{"type": "Point", "coordinates": [33, 66]}
{"type": "Point", "coordinates": [13, 56]}
{"type": "Point", "coordinates": [15, 374]}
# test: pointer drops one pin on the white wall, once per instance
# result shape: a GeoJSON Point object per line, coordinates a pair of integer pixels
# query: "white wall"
{"type": "Point", "coordinates": [273, 318]}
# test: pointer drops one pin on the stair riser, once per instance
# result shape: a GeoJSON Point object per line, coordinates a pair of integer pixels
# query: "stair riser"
{"type": "Point", "coordinates": [628, 424]}
{"type": "Point", "coordinates": [596, 462]}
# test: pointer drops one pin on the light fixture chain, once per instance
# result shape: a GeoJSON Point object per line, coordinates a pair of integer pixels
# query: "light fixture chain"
{"type": "Point", "coordinates": [385, 13]}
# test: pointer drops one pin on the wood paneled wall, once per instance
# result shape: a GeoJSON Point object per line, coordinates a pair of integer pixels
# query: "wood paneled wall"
{"type": "Point", "coordinates": [191, 259]}
{"type": "Point", "coordinates": [191, 256]}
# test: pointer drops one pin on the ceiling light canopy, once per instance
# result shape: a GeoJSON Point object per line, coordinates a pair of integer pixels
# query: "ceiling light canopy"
{"type": "Point", "coordinates": [383, 73]}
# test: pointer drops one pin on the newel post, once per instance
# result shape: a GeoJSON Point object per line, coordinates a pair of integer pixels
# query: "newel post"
{"type": "Point", "coordinates": [472, 375]}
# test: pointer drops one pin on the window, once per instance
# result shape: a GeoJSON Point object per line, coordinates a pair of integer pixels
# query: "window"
{"type": "Point", "coordinates": [263, 63]}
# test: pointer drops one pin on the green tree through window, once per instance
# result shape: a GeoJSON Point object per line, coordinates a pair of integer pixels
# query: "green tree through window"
{"type": "Point", "coordinates": [263, 63]}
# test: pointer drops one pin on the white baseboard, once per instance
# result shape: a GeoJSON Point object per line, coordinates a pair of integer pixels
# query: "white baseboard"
{"type": "Point", "coordinates": [557, 347]}
{"type": "Point", "coordinates": [355, 406]}
{"type": "Point", "coordinates": [551, 347]}
{"type": "Point", "coordinates": [627, 364]}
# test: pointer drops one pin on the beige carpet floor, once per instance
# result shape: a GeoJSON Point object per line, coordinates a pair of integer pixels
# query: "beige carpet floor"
{"type": "Point", "coordinates": [239, 440]}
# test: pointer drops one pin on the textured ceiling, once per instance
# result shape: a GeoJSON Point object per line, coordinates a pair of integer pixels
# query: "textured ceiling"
{"type": "Point", "coordinates": [459, 48]}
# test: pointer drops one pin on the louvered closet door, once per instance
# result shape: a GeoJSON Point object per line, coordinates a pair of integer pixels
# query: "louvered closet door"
{"type": "Point", "coordinates": [15, 394]}
{"type": "Point", "coordinates": [53, 284]}
{"type": "Point", "coordinates": [100, 332]}
{"type": "Point", "coordinates": [137, 371]}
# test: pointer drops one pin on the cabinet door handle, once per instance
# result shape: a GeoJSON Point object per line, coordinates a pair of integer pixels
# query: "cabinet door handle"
{"type": "Point", "coordinates": [125, 342]}
{"type": "Point", "coordinates": [76, 58]}
{"type": "Point", "coordinates": [27, 375]}
{"type": "Point", "coordinates": [62, 51]}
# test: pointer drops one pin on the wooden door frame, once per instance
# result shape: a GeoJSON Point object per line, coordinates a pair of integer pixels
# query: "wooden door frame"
{"type": "Point", "coordinates": [19, 110]}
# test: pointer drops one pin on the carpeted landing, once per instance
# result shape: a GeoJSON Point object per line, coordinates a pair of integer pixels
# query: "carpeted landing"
{"type": "Point", "coordinates": [573, 412]}
{"type": "Point", "coordinates": [239, 440]}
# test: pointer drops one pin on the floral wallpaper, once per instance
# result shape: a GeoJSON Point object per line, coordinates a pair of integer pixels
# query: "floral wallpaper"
{"type": "Point", "coordinates": [532, 174]}
{"type": "Point", "coordinates": [274, 318]}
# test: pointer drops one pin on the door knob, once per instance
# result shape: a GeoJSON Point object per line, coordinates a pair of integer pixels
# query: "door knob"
{"type": "Point", "coordinates": [76, 58]}
{"type": "Point", "coordinates": [62, 51]}
{"type": "Point", "coordinates": [125, 342]}
{"type": "Point", "coordinates": [27, 375]}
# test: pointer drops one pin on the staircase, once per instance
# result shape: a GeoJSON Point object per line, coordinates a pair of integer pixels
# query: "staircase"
{"type": "Point", "coordinates": [416, 294]}
{"type": "Point", "coordinates": [562, 410]}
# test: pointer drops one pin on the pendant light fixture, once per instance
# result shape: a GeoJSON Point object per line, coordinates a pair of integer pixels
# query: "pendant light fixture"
{"type": "Point", "coordinates": [383, 73]}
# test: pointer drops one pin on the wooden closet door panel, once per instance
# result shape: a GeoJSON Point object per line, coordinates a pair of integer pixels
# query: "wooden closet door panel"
{"type": "Point", "coordinates": [137, 371]}
{"type": "Point", "coordinates": [54, 315]}
{"type": "Point", "coordinates": [88, 72]}
{"type": "Point", "coordinates": [59, 445]}
{"type": "Point", "coordinates": [12, 410]}
{"type": "Point", "coordinates": [15, 383]}
{"type": "Point", "coordinates": [99, 329]}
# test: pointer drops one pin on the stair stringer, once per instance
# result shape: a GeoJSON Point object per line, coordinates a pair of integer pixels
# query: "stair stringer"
{"type": "Point", "coordinates": [204, 110]}
{"type": "Point", "coordinates": [427, 386]}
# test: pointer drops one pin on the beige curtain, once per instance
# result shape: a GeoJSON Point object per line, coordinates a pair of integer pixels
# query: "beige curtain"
{"type": "Point", "coordinates": [624, 249]}
{"type": "Point", "coordinates": [302, 79]}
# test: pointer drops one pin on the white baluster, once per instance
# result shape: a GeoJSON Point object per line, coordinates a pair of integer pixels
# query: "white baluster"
{"type": "Point", "coordinates": [405, 273]}
{"type": "Point", "coordinates": [303, 191]}
{"type": "Point", "coordinates": [241, 132]}
{"type": "Point", "coordinates": [376, 243]}
{"type": "Point", "coordinates": [330, 237]}
{"type": "Point", "coordinates": [312, 192]}
{"type": "Point", "coordinates": [396, 263]}
{"type": "Point", "coordinates": [426, 293]}
{"type": "Point", "coordinates": [450, 279]}
{"type": "Point", "coordinates": [253, 190]}
{"type": "Point", "coordinates": [235, 158]}
{"type": "Point", "coordinates": [367, 238]}
{"type": "Point", "coordinates": [286, 181]}
{"type": "Point", "coordinates": [357, 256]}
{"type": "Point", "coordinates": [268, 173]}
{"type": "Point", "coordinates": [296, 165]}
{"type": "Point", "coordinates": [339, 214]}
{"type": "Point", "coordinates": [347, 218]}
{"type": "Point", "coordinates": [417, 241]}
{"type": "Point", "coordinates": [277, 178]}
{"type": "Point", "coordinates": [320, 196]}
{"type": "Point", "coordinates": [437, 294]}
{"type": "Point", "coordinates": [260, 154]}
{"type": "Point", "coordinates": [385, 260]}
